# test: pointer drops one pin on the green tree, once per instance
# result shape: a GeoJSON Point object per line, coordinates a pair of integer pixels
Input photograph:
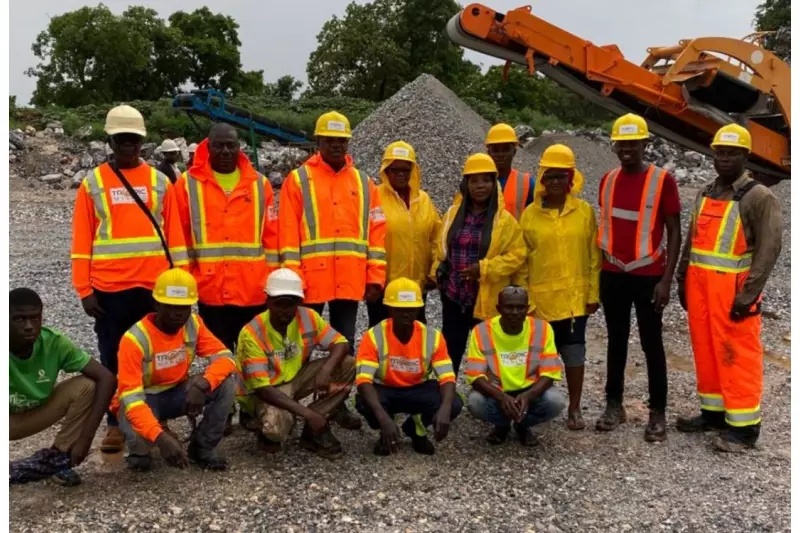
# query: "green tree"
{"type": "Point", "coordinates": [776, 15]}
{"type": "Point", "coordinates": [284, 88]}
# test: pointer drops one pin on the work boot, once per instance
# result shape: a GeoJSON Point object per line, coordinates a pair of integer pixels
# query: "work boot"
{"type": "Point", "coordinates": [269, 446]}
{"type": "Point", "coordinates": [206, 459]}
{"type": "Point", "coordinates": [498, 435]}
{"type": "Point", "coordinates": [613, 416]}
{"type": "Point", "coordinates": [526, 436]}
{"type": "Point", "coordinates": [423, 446]}
{"type": "Point", "coordinates": [656, 430]}
{"type": "Point", "coordinates": [699, 423]}
{"type": "Point", "coordinates": [381, 449]}
{"type": "Point", "coordinates": [114, 441]}
{"type": "Point", "coordinates": [249, 422]}
{"type": "Point", "coordinates": [345, 419]}
{"type": "Point", "coordinates": [731, 442]}
{"type": "Point", "coordinates": [67, 478]}
{"type": "Point", "coordinates": [325, 444]}
{"type": "Point", "coordinates": [139, 463]}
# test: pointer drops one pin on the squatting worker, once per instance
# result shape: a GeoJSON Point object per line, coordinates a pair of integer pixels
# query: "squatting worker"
{"type": "Point", "coordinates": [332, 232]}
{"type": "Point", "coordinates": [116, 252]}
{"type": "Point", "coordinates": [231, 228]}
{"type": "Point", "coordinates": [155, 356]}
{"type": "Point", "coordinates": [511, 365]}
{"type": "Point", "coordinates": [733, 245]}
{"type": "Point", "coordinates": [563, 268]}
{"type": "Point", "coordinates": [171, 154]}
{"type": "Point", "coordinates": [395, 363]}
{"type": "Point", "coordinates": [37, 355]}
{"type": "Point", "coordinates": [273, 356]}
{"type": "Point", "coordinates": [637, 202]}
{"type": "Point", "coordinates": [480, 248]}
{"type": "Point", "coordinates": [412, 225]}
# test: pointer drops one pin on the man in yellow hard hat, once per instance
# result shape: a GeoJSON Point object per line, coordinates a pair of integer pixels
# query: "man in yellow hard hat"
{"type": "Point", "coordinates": [393, 365]}
{"type": "Point", "coordinates": [117, 252]}
{"type": "Point", "coordinates": [639, 234]}
{"type": "Point", "coordinates": [734, 242]}
{"type": "Point", "coordinates": [153, 384]}
{"type": "Point", "coordinates": [517, 187]}
{"type": "Point", "coordinates": [332, 231]}
{"type": "Point", "coordinates": [273, 355]}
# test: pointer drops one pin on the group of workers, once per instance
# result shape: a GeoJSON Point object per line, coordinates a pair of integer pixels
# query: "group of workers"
{"type": "Point", "coordinates": [519, 260]}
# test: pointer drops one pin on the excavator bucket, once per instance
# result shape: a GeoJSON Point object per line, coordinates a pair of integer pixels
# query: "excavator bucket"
{"type": "Point", "coordinates": [686, 92]}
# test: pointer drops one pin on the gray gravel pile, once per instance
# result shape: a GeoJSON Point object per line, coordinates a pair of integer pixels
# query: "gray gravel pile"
{"type": "Point", "coordinates": [574, 482]}
{"type": "Point", "coordinates": [276, 161]}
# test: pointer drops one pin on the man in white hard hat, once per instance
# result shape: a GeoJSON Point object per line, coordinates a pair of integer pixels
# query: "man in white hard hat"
{"type": "Point", "coordinates": [116, 252]}
{"type": "Point", "coordinates": [273, 356]}
{"type": "Point", "coordinates": [192, 149]}
{"type": "Point", "coordinates": [170, 154]}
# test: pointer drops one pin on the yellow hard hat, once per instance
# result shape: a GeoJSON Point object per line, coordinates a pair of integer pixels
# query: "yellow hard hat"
{"type": "Point", "coordinates": [558, 156]}
{"type": "Point", "coordinates": [175, 287]}
{"type": "Point", "coordinates": [400, 150]}
{"type": "Point", "coordinates": [333, 124]}
{"type": "Point", "coordinates": [629, 127]}
{"type": "Point", "coordinates": [125, 119]}
{"type": "Point", "coordinates": [479, 164]}
{"type": "Point", "coordinates": [733, 135]}
{"type": "Point", "coordinates": [501, 133]}
{"type": "Point", "coordinates": [402, 292]}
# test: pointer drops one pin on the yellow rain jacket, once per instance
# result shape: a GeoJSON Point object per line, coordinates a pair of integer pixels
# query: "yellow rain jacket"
{"type": "Point", "coordinates": [563, 262]}
{"type": "Point", "coordinates": [411, 232]}
{"type": "Point", "coordinates": [503, 262]}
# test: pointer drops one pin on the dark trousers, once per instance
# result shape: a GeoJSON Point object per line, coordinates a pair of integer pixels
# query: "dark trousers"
{"type": "Point", "coordinates": [122, 309]}
{"type": "Point", "coordinates": [226, 321]}
{"type": "Point", "coordinates": [343, 314]}
{"type": "Point", "coordinates": [618, 293]}
{"type": "Point", "coordinates": [457, 323]}
{"type": "Point", "coordinates": [377, 312]}
{"type": "Point", "coordinates": [423, 399]}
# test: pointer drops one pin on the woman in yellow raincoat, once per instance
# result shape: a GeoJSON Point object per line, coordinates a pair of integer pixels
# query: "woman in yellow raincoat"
{"type": "Point", "coordinates": [412, 224]}
{"type": "Point", "coordinates": [563, 264]}
{"type": "Point", "coordinates": [480, 249]}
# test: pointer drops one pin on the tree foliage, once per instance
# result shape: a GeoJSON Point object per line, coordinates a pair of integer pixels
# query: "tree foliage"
{"type": "Point", "coordinates": [776, 15]}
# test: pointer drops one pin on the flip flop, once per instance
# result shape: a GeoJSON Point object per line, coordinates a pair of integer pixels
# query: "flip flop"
{"type": "Point", "coordinates": [575, 421]}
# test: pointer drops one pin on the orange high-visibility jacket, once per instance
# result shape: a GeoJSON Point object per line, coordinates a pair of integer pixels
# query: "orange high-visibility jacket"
{"type": "Point", "coordinates": [232, 240]}
{"type": "Point", "coordinates": [516, 192]}
{"type": "Point", "coordinates": [114, 245]}
{"type": "Point", "coordinates": [728, 355]}
{"type": "Point", "coordinates": [150, 362]}
{"type": "Point", "coordinates": [647, 252]}
{"type": "Point", "coordinates": [332, 230]}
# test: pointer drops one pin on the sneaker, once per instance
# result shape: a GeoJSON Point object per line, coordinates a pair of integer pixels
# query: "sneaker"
{"type": "Point", "coordinates": [139, 463]}
{"type": "Point", "coordinates": [613, 416]}
{"type": "Point", "coordinates": [345, 419]}
{"type": "Point", "coordinates": [698, 424]}
{"type": "Point", "coordinates": [114, 441]}
{"type": "Point", "coordinates": [656, 430]}
{"type": "Point", "coordinates": [67, 478]}
{"type": "Point", "coordinates": [325, 444]}
{"type": "Point", "coordinates": [423, 446]}
{"type": "Point", "coordinates": [729, 441]}
{"type": "Point", "coordinates": [206, 459]}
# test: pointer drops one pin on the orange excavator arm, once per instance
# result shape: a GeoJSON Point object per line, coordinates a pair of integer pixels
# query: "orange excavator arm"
{"type": "Point", "coordinates": [685, 92]}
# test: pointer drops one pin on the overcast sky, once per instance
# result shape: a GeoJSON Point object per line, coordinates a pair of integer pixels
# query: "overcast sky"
{"type": "Point", "coordinates": [278, 36]}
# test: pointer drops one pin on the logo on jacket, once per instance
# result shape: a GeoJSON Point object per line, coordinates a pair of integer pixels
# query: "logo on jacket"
{"type": "Point", "coordinates": [170, 359]}
{"type": "Point", "coordinates": [513, 359]}
{"type": "Point", "coordinates": [401, 364]}
{"type": "Point", "coordinates": [376, 214]}
{"type": "Point", "coordinates": [120, 195]}
{"type": "Point", "coordinates": [42, 378]}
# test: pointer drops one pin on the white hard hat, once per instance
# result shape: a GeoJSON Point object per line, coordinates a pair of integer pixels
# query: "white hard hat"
{"type": "Point", "coordinates": [192, 148]}
{"type": "Point", "coordinates": [125, 119]}
{"type": "Point", "coordinates": [169, 146]}
{"type": "Point", "coordinates": [284, 282]}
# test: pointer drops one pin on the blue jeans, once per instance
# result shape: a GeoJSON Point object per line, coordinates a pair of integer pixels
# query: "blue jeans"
{"type": "Point", "coordinates": [541, 409]}
{"type": "Point", "coordinates": [423, 399]}
{"type": "Point", "coordinates": [170, 404]}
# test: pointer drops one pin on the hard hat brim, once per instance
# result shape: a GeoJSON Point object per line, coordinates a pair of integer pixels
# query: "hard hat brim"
{"type": "Point", "coordinates": [501, 141]}
{"type": "Point", "coordinates": [167, 300]}
{"type": "Point", "coordinates": [403, 305]}
{"type": "Point", "coordinates": [340, 134]}
{"type": "Point", "coordinates": [117, 131]}
{"type": "Point", "coordinates": [285, 292]}
{"type": "Point", "coordinates": [632, 137]}
{"type": "Point", "coordinates": [731, 144]}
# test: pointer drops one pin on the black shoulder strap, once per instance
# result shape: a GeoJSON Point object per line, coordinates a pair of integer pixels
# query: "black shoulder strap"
{"type": "Point", "coordinates": [744, 189]}
{"type": "Point", "coordinates": [146, 211]}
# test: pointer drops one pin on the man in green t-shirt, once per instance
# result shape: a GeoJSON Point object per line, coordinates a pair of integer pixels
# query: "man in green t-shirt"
{"type": "Point", "coordinates": [37, 355]}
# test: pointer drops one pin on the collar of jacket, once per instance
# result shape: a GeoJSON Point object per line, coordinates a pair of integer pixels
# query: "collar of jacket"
{"type": "Point", "coordinates": [201, 166]}
{"type": "Point", "coordinates": [317, 161]}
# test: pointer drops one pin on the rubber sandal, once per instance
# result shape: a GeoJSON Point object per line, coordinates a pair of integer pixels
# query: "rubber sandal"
{"type": "Point", "coordinates": [575, 421]}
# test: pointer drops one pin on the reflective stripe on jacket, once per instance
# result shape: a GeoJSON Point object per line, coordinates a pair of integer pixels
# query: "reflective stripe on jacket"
{"type": "Point", "coordinates": [151, 362]}
{"type": "Point", "coordinates": [512, 368]}
{"type": "Point", "coordinates": [332, 230]}
{"type": "Point", "coordinates": [647, 252]}
{"type": "Point", "coordinates": [384, 360]}
{"type": "Point", "coordinates": [232, 240]}
{"type": "Point", "coordinates": [114, 244]}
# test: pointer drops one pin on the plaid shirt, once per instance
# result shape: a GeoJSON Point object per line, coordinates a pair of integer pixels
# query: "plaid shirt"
{"type": "Point", "coordinates": [464, 252]}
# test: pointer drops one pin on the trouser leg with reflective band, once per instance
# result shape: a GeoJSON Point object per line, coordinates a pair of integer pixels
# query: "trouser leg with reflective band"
{"type": "Point", "coordinates": [728, 355]}
{"type": "Point", "coordinates": [423, 399]}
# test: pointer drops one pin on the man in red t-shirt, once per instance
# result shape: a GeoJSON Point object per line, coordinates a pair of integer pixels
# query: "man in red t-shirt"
{"type": "Point", "coordinates": [637, 202]}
